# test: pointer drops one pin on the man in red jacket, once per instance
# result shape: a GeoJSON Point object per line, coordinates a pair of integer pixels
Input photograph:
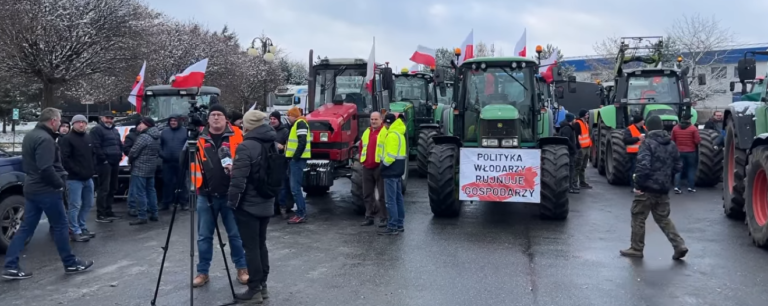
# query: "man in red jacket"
{"type": "Point", "coordinates": [687, 139]}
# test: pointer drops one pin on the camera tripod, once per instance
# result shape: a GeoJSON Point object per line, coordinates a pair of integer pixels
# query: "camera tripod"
{"type": "Point", "coordinates": [193, 156]}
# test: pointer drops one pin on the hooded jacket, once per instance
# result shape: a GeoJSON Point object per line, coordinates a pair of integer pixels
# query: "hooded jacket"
{"type": "Point", "coordinates": [567, 131]}
{"type": "Point", "coordinates": [172, 141]}
{"type": "Point", "coordinates": [393, 168]}
{"type": "Point", "coordinates": [77, 155]}
{"type": "Point", "coordinates": [145, 153]}
{"type": "Point", "coordinates": [106, 144]}
{"type": "Point", "coordinates": [686, 137]}
{"type": "Point", "coordinates": [658, 160]}
{"type": "Point", "coordinates": [245, 170]}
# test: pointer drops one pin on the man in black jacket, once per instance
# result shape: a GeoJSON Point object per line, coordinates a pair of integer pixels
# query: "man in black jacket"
{"type": "Point", "coordinates": [172, 141]}
{"type": "Point", "coordinates": [634, 135]}
{"type": "Point", "coordinates": [43, 188]}
{"type": "Point", "coordinates": [252, 211]}
{"type": "Point", "coordinates": [658, 160]}
{"type": "Point", "coordinates": [716, 123]}
{"type": "Point", "coordinates": [567, 131]}
{"type": "Point", "coordinates": [77, 158]}
{"type": "Point", "coordinates": [127, 145]}
{"type": "Point", "coordinates": [281, 138]}
{"type": "Point", "coordinates": [109, 152]}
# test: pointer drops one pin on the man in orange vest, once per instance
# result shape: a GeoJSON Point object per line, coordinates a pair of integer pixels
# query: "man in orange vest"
{"type": "Point", "coordinates": [217, 146]}
{"type": "Point", "coordinates": [585, 142]}
{"type": "Point", "coordinates": [634, 134]}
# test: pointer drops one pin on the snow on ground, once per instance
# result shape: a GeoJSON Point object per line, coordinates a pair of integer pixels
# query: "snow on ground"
{"type": "Point", "coordinates": [11, 141]}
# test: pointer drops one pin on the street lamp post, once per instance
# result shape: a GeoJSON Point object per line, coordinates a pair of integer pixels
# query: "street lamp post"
{"type": "Point", "coordinates": [266, 48]}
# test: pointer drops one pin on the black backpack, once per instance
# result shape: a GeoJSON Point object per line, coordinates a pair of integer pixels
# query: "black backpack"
{"type": "Point", "coordinates": [272, 172]}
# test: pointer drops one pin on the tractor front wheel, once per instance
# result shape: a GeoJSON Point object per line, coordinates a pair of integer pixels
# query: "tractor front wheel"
{"type": "Point", "coordinates": [554, 182]}
{"type": "Point", "coordinates": [710, 166]}
{"type": "Point", "coordinates": [425, 144]}
{"type": "Point", "coordinates": [733, 176]}
{"type": "Point", "coordinates": [756, 206]}
{"type": "Point", "coordinates": [442, 183]}
{"type": "Point", "coordinates": [617, 166]}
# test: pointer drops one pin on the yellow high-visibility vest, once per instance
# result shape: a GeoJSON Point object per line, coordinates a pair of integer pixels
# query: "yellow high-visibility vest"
{"type": "Point", "coordinates": [293, 140]}
{"type": "Point", "coordinates": [380, 139]}
{"type": "Point", "coordinates": [395, 144]}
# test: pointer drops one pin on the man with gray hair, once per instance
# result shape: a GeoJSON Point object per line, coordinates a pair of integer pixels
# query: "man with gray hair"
{"type": "Point", "coordinates": [371, 145]}
{"type": "Point", "coordinates": [43, 192]}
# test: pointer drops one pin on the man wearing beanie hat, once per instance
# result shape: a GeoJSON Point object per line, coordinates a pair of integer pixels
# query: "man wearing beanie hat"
{"type": "Point", "coordinates": [237, 119]}
{"type": "Point", "coordinates": [256, 174]}
{"type": "Point", "coordinates": [64, 127]}
{"type": "Point", "coordinates": [634, 135]}
{"type": "Point", "coordinates": [218, 143]}
{"type": "Point", "coordinates": [143, 156]}
{"type": "Point", "coordinates": [298, 150]}
{"type": "Point", "coordinates": [581, 126]}
{"type": "Point", "coordinates": [77, 159]}
{"type": "Point", "coordinates": [658, 160]}
{"type": "Point", "coordinates": [281, 138]}
{"type": "Point", "coordinates": [567, 130]}
{"type": "Point", "coordinates": [173, 138]}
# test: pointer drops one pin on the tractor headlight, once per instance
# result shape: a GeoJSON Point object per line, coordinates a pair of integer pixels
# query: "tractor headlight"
{"type": "Point", "coordinates": [509, 142]}
{"type": "Point", "coordinates": [490, 143]}
{"type": "Point", "coordinates": [323, 136]}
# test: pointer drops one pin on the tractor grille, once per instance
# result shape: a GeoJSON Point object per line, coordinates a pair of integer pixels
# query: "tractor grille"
{"type": "Point", "coordinates": [499, 128]}
{"type": "Point", "coordinates": [669, 124]}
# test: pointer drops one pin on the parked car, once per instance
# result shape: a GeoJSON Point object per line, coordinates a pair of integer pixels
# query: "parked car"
{"type": "Point", "coordinates": [11, 197]}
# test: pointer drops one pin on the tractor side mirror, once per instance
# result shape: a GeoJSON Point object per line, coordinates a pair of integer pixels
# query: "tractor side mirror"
{"type": "Point", "coordinates": [732, 86]}
{"type": "Point", "coordinates": [387, 79]}
{"type": "Point", "coordinates": [571, 85]}
{"type": "Point", "coordinates": [443, 89]}
{"type": "Point", "coordinates": [702, 79]}
{"type": "Point", "coordinates": [747, 69]}
{"type": "Point", "coordinates": [559, 92]}
{"type": "Point", "coordinates": [571, 78]}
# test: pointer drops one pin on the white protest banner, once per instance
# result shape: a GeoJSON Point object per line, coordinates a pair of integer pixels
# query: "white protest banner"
{"type": "Point", "coordinates": [124, 130]}
{"type": "Point", "coordinates": [500, 175]}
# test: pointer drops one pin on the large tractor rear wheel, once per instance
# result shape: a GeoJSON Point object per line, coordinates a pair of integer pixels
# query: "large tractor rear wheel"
{"type": "Point", "coordinates": [594, 151]}
{"type": "Point", "coordinates": [554, 182]}
{"type": "Point", "coordinates": [757, 196]}
{"type": "Point", "coordinates": [425, 144]}
{"type": "Point", "coordinates": [356, 180]}
{"type": "Point", "coordinates": [442, 181]}
{"type": "Point", "coordinates": [604, 144]}
{"type": "Point", "coordinates": [710, 168]}
{"type": "Point", "coordinates": [734, 173]}
{"type": "Point", "coordinates": [617, 165]}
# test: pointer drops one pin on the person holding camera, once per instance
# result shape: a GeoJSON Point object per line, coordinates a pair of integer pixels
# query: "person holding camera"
{"type": "Point", "coordinates": [216, 144]}
{"type": "Point", "coordinates": [257, 177]}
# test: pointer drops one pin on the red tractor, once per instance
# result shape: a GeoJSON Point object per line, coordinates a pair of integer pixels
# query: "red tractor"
{"type": "Point", "coordinates": [339, 106]}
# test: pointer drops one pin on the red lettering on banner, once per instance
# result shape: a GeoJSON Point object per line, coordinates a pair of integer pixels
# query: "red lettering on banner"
{"type": "Point", "coordinates": [504, 186]}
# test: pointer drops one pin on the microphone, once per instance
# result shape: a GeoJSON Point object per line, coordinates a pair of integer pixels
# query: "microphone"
{"type": "Point", "coordinates": [226, 157]}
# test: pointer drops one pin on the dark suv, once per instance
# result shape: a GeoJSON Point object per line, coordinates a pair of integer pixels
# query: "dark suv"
{"type": "Point", "coordinates": [11, 197]}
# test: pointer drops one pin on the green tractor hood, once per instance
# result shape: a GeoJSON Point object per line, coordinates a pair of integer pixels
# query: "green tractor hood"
{"type": "Point", "coordinates": [651, 107]}
{"type": "Point", "coordinates": [399, 107]}
{"type": "Point", "coordinates": [499, 112]}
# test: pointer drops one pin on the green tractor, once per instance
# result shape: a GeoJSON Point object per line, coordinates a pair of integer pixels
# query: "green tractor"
{"type": "Point", "coordinates": [654, 90]}
{"type": "Point", "coordinates": [500, 145]}
{"type": "Point", "coordinates": [416, 97]}
{"type": "Point", "coordinates": [745, 174]}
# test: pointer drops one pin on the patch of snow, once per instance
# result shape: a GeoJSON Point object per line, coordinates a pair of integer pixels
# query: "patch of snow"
{"type": "Point", "coordinates": [745, 108]}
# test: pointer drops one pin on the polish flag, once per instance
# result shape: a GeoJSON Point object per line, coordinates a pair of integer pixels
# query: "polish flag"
{"type": "Point", "coordinates": [547, 66]}
{"type": "Point", "coordinates": [424, 56]}
{"type": "Point", "coordinates": [193, 76]}
{"type": "Point", "coordinates": [467, 48]}
{"type": "Point", "coordinates": [520, 45]}
{"type": "Point", "coordinates": [371, 68]}
{"type": "Point", "coordinates": [137, 91]}
{"type": "Point", "coordinates": [414, 68]}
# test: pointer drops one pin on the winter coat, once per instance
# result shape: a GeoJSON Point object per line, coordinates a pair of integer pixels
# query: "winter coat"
{"type": "Point", "coordinates": [41, 161]}
{"type": "Point", "coordinates": [130, 139]}
{"type": "Point", "coordinates": [713, 125]}
{"type": "Point", "coordinates": [107, 144]}
{"type": "Point", "coordinates": [567, 131]}
{"type": "Point", "coordinates": [145, 153]}
{"type": "Point", "coordinates": [77, 155]}
{"type": "Point", "coordinates": [245, 170]}
{"type": "Point", "coordinates": [658, 160]}
{"type": "Point", "coordinates": [686, 137]}
{"type": "Point", "coordinates": [282, 132]}
{"type": "Point", "coordinates": [629, 140]}
{"type": "Point", "coordinates": [397, 167]}
{"type": "Point", "coordinates": [172, 141]}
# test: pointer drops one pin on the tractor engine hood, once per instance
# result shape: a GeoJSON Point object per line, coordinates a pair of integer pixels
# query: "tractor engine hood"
{"type": "Point", "coordinates": [499, 112]}
{"type": "Point", "coordinates": [331, 116]}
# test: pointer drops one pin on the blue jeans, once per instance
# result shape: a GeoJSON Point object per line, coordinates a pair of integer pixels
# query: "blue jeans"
{"type": "Point", "coordinates": [52, 204]}
{"type": "Point", "coordinates": [690, 163]}
{"type": "Point", "coordinates": [296, 178]}
{"type": "Point", "coordinates": [80, 203]}
{"type": "Point", "coordinates": [393, 194]}
{"type": "Point", "coordinates": [131, 197]}
{"type": "Point", "coordinates": [206, 228]}
{"type": "Point", "coordinates": [145, 194]}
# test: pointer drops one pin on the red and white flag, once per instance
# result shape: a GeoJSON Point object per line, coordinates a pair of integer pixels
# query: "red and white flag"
{"type": "Point", "coordinates": [193, 76]}
{"type": "Point", "coordinates": [424, 56]}
{"type": "Point", "coordinates": [370, 72]}
{"type": "Point", "coordinates": [520, 45]}
{"type": "Point", "coordinates": [137, 91]}
{"type": "Point", "coordinates": [548, 65]}
{"type": "Point", "coordinates": [467, 48]}
{"type": "Point", "coordinates": [415, 68]}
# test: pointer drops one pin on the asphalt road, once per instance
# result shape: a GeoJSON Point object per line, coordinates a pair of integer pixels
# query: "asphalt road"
{"type": "Point", "coordinates": [493, 254]}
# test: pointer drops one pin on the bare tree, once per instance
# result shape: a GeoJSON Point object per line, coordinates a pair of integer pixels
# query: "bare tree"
{"type": "Point", "coordinates": [482, 50]}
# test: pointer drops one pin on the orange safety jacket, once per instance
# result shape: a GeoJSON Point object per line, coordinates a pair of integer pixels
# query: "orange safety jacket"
{"type": "Point", "coordinates": [633, 148]}
{"type": "Point", "coordinates": [196, 174]}
{"type": "Point", "coordinates": [584, 140]}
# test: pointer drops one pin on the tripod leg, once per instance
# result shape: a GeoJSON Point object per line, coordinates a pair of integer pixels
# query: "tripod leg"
{"type": "Point", "coordinates": [192, 209]}
{"type": "Point", "coordinates": [165, 253]}
{"type": "Point", "coordinates": [223, 253]}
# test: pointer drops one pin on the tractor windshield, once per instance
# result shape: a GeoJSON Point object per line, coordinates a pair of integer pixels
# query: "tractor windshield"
{"type": "Point", "coordinates": [162, 107]}
{"type": "Point", "coordinates": [497, 85]}
{"type": "Point", "coordinates": [654, 90]}
{"type": "Point", "coordinates": [410, 88]}
{"type": "Point", "coordinates": [448, 94]}
{"type": "Point", "coordinates": [345, 84]}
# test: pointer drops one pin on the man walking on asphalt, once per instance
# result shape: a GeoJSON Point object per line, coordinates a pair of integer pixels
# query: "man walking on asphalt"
{"type": "Point", "coordinates": [634, 135]}
{"type": "Point", "coordinates": [298, 150]}
{"type": "Point", "coordinates": [172, 141]}
{"type": "Point", "coordinates": [686, 137]}
{"type": "Point", "coordinates": [256, 176]}
{"type": "Point", "coordinates": [371, 148]}
{"type": "Point", "coordinates": [567, 131]}
{"type": "Point", "coordinates": [43, 188]}
{"type": "Point", "coordinates": [392, 170]}
{"type": "Point", "coordinates": [657, 162]}
{"type": "Point", "coordinates": [109, 152]}
{"type": "Point", "coordinates": [128, 141]}
{"type": "Point", "coordinates": [143, 157]}
{"type": "Point", "coordinates": [217, 145]}
{"type": "Point", "coordinates": [581, 126]}
{"type": "Point", "coordinates": [77, 158]}
{"type": "Point", "coordinates": [281, 138]}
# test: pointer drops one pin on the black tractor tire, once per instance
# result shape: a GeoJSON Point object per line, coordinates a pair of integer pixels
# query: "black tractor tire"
{"type": "Point", "coordinates": [316, 191]}
{"type": "Point", "coordinates": [10, 205]}
{"type": "Point", "coordinates": [442, 184]}
{"type": "Point", "coordinates": [710, 168]}
{"type": "Point", "coordinates": [407, 173]}
{"type": "Point", "coordinates": [425, 144]}
{"type": "Point", "coordinates": [594, 151]}
{"type": "Point", "coordinates": [756, 204]}
{"type": "Point", "coordinates": [554, 182]}
{"type": "Point", "coordinates": [356, 184]}
{"type": "Point", "coordinates": [603, 145]}
{"type": "Point", "coordinates": [735, 166]}
{"type": "Point", "coordinates": [617, 162]}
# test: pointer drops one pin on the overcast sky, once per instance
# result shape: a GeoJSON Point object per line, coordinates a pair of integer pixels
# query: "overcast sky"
{"type": "Point", "coordinates": [345, 28]}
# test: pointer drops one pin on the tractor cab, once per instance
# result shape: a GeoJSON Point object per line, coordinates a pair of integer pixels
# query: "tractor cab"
{"type": "Point", "coordinates": [413, 97]}
{"type": "Point", "coordinates": [163, 101]}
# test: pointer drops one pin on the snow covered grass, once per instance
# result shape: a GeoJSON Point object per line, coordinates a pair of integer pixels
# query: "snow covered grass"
{"type": "Point", "coordinates": [12, 143]}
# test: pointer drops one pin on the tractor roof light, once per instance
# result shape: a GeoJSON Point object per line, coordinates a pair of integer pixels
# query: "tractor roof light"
{"type": "Point", "coordinates": [598, 82]}
{"type": "Point", "coordinates": [539, 49]}
{"type": "Point", "coordinates": [457, 51]}
{"type": "Point", "coordinates": [404, 71]}
{"type": "Point", "coordinates": [679, 59]}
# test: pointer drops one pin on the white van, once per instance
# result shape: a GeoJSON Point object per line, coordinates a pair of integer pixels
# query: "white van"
{"type": "Point", "coordinates": [289, 96]}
